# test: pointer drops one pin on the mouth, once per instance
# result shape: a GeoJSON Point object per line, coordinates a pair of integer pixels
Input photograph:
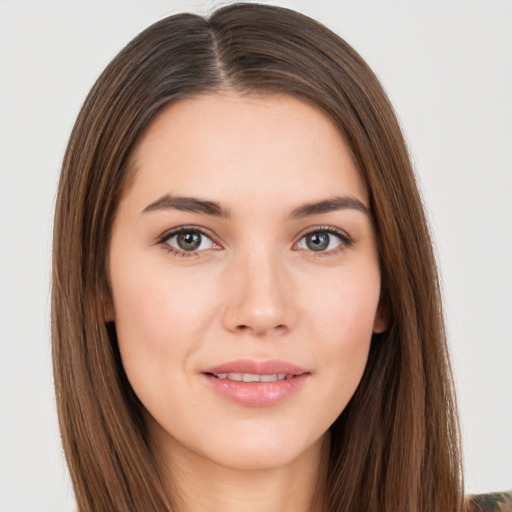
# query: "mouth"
{"type": "Point", "coordinates": [256, 384]}
{"type": "Point", "coordinates": [252, 377]}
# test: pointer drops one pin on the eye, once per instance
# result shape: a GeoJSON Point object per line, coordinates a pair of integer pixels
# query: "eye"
{"type": "Point", "coordinates": [187, 241]}
{"type": "Point", "coordinates": [324, 240]}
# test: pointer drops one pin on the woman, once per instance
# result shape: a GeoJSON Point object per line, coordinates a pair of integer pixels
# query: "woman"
{"type": "Point", "coordinates": [246, 310]}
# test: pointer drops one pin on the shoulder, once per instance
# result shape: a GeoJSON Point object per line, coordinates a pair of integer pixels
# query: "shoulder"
{"type": "Point", "coordinates": [491, 502]}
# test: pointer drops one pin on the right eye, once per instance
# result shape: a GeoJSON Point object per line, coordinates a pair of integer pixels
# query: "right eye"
{"type": "Point", "coordinates": [187, 241]}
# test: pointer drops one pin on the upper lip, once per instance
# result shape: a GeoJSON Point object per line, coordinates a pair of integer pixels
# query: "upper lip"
{"type": "Point", "coordinates": [268, 367]}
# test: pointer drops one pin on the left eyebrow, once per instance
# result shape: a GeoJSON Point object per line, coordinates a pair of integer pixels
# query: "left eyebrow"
{"type": "Point", "coordinates": [330, 205]}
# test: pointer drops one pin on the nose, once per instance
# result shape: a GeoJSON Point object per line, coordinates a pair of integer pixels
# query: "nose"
{"type": "Point", "coordinates": [260, 296]}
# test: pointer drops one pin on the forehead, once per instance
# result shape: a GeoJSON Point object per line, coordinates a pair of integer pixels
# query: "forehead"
{"type": "Point", "coordinates": [273, 146]}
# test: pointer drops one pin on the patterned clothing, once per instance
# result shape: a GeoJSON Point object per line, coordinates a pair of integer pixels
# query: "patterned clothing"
{"type": "Point", "coordinates": [492, 502]}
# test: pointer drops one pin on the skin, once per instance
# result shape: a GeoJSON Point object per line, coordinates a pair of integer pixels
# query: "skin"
{"type": "Point", "coordinates": [254, 290]}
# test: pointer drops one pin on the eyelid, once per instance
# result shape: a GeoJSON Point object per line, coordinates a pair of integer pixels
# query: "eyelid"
{"type": "Point", "coordinates": [346, 240]}
{"type": "Point", "coordinates": [180, 229]}
{"type": "Point", "coordinates": [166, 235]}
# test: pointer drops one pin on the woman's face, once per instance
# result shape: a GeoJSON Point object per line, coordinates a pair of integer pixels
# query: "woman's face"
{"type": "Point", "coordinates": [245, 278]}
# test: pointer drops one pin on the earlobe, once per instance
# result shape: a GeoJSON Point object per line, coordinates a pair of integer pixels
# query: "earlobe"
{"type": "Point", "coordinates": [380, 323]}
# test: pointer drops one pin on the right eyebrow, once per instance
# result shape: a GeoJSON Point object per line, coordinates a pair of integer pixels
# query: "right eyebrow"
{"type": "Point", "coordinates": [187, 204]}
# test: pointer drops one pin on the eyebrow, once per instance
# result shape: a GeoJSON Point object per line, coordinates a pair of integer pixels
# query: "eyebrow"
{"type": "Point", "coordinates": [187, 204]}
{"type": "Point", "coordinates": [330, 205]}
{"type": "Point", "coordinates": [195, 205]}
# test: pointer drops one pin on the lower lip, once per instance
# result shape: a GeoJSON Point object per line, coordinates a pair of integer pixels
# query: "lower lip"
{"type": "Point", "coordinates": [257, 394]}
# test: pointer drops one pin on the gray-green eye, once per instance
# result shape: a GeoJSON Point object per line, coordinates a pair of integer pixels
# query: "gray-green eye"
{"type": "Point", "coordinates": [319, 241]}
{"type": "Point", "coordinates": [189, 241]}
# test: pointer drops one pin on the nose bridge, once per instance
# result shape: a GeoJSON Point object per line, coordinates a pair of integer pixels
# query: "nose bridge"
{"type": "Point", "coordinates": [260, 299]}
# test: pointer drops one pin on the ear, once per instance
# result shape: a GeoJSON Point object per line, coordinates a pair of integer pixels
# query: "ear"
{"type": "Point", "coordinates": [381, 321]}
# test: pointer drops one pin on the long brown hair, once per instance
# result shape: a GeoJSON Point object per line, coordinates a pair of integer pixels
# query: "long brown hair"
{"type": "Point", "coordinates": [396, 445]}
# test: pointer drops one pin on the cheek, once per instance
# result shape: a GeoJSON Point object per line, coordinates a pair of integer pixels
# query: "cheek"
{"type": "Point", "coordinates": [156, 315]}
{"type": "Point", "coordinates": [343, 315]}
{"type": "Point", "coordinates": [153, 304]}
{"type": "Point", "coordinates": [154, 333]}
{"type": "Point", "coordinates": [345, 306]}
{"type": "Point", "coordinates": [142, 326]}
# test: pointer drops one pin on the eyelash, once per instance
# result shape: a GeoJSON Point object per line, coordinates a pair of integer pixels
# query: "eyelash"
{"type": "Point", "coordinates": [345, 240]}
{"type": "Point", "coordinates": [165, 237]}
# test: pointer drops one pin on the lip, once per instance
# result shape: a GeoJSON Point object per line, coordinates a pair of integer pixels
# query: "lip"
{"type": "Point", "coordinates": [257, 394]}
{"type": "Point", "coordinates": [267, 367]}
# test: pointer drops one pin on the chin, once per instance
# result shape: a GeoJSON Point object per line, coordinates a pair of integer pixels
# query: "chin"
{"type": "Point", "coordinates": [256, 459]}
{"type": "Point", "coordinates": [262, 452]}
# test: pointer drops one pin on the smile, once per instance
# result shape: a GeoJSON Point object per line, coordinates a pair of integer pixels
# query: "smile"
{"type": "Point", "coordinates": [253, 377]}
{"type": "Point", "coordinates": [256, 383]}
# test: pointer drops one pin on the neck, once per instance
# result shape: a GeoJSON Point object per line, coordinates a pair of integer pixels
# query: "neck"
{"type": "Point", "coordinates": [203, 485]}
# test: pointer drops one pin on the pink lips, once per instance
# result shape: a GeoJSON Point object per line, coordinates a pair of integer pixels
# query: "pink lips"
{"type": "Point", "coordinates": [256, 394]}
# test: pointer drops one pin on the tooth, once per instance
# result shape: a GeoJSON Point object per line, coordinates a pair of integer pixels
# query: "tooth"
{"type": "Point", "coordinates": [250, 377]}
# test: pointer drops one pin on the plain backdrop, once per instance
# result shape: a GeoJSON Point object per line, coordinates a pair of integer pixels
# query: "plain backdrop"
{"type": "Point", "coordinates": [447, 66]}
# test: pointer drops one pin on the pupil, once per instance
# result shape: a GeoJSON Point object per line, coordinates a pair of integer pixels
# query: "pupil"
{"type": "Point", "coordinates": [189, 241]}
{"type": "Point", "coordinates": [317, 241]}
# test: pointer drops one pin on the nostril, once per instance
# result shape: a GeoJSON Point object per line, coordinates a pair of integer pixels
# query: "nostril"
{"type": "Point", "coordinates": [278, 328]}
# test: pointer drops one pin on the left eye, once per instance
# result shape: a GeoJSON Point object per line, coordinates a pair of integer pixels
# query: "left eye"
{"type": "Point", "coordinates": [190, 241]}
{"type": "Point", "coordinates": [320, 241]}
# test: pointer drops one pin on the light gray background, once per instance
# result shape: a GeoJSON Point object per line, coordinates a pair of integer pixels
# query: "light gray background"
{"type": "Point", "coordinates": [447, 66]}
